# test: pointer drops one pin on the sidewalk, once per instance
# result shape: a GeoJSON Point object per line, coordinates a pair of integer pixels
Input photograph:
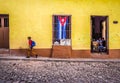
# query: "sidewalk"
{"type": "Point", "coordinates": [15, 57]}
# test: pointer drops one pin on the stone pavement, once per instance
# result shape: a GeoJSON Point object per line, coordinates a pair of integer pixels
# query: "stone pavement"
{"type": "Point", "coordinates": [45, 70]}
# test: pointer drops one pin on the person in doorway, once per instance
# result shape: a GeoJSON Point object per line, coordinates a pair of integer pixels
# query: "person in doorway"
{"type": "Point", "coordinates": [102, 44]}
{"type": "Point", "coordinates": [95, 45]}
{"type": "Point", "coordinates": [31, 44]}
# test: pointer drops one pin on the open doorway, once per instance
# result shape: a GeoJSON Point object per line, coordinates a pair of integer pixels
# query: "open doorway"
{"type": "Point", "coordinates": [99, 34]}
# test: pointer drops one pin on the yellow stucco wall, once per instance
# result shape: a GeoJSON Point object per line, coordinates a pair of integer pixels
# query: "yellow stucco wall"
{"type": "Point", "coordinates": [34, 18]}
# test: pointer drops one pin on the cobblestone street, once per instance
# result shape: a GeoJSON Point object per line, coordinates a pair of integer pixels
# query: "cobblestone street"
{"type": "Point", "coordinates": [20, 71]}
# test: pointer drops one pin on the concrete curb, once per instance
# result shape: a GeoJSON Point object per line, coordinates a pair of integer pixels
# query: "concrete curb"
{"type": "Point", "coordinates": [57, 59]}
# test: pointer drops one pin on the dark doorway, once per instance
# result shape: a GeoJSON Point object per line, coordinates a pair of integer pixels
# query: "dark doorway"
{"type": "Point", "coordinates": [4, 31]}
{"type": "Point", "coordinates": [99, 34]}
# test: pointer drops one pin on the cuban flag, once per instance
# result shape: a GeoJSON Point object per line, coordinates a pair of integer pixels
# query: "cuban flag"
{"type": "Point", "coordinates": [61, 27]}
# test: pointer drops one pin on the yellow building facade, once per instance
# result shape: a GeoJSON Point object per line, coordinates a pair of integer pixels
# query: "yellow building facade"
{"type": "Point", "coordinates": [35, 18]}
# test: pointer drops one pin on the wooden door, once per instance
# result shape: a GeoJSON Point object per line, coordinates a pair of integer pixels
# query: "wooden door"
{"type": "Point", "coordinates": [4, 31]}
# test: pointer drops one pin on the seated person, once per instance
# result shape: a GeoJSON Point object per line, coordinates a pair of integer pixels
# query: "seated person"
{"type": "Point", "coordinates": [102, 45]}
{"type": "Point", "coordinates": [95, 45]}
